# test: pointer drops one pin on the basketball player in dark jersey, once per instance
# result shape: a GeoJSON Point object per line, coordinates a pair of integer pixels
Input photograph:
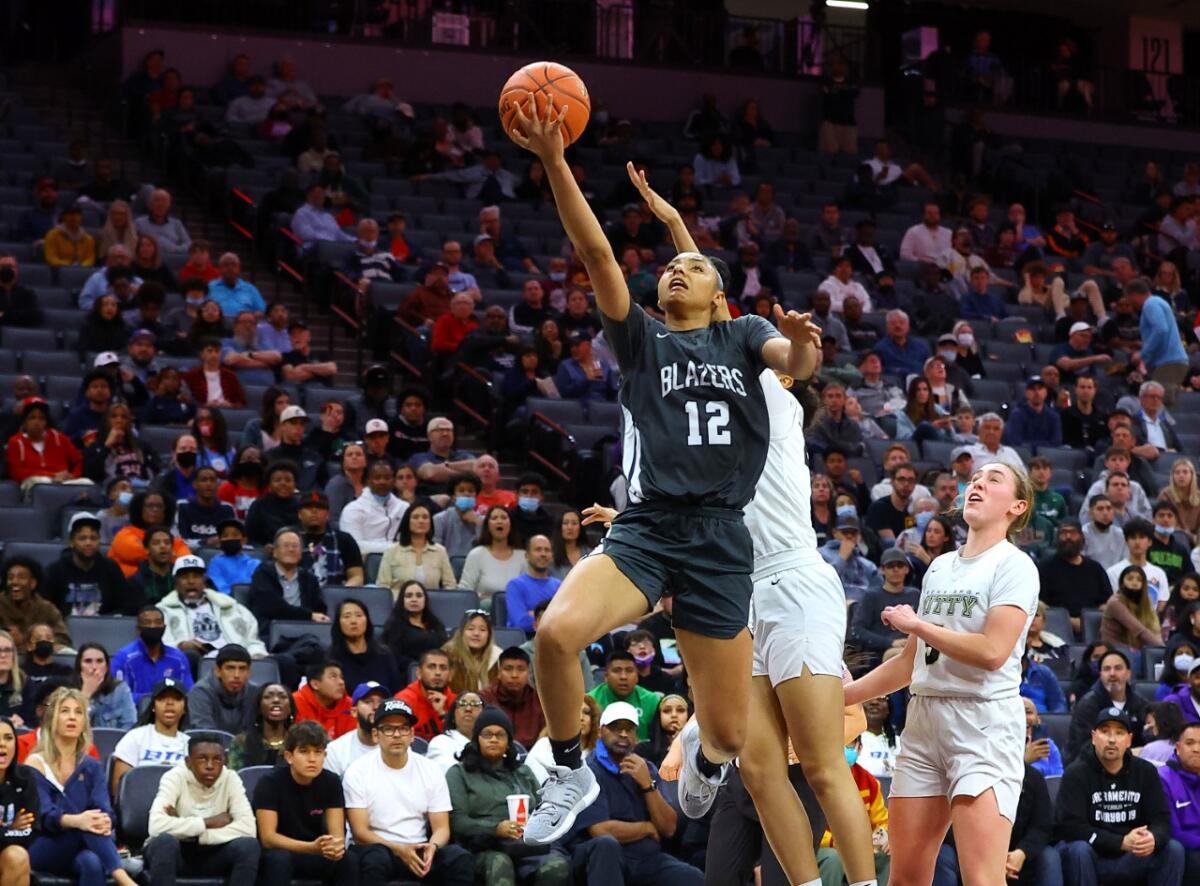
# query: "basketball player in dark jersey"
{"type": "Point", "coordinates": [696, 433]}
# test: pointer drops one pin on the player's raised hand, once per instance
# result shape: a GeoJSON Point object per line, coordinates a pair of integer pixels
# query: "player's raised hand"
{"type": "Point", "coordinates": [799, 328]}
{"type": "Point", "coordinates": [597, 513]}
{"type": "Point", "coordinates": [662, 210]}
{"type": "Point", "coordinates": [538, 129]}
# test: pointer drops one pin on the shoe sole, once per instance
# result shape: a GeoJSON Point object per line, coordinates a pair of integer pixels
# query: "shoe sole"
{"type": "Point", "coordinates": [568, 820]}
{"type": "Point", "coordinates": [683, 806]}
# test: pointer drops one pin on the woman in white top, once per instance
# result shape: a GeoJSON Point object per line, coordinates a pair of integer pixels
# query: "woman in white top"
{"type": "Point", "coordinates": [495, 560]}
{"type": "Point", "coordinates": [445, 748]}
{"type": "Point", "coordinates": [962, 761]}
{"type": "Point", "coordinates": [157, 740]}
{"type": "Point", "coordinates": [415, 556]}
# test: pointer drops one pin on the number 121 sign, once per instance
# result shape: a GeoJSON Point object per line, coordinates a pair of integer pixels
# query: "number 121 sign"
{"type": "Point", "coordinates": [1155, 45]}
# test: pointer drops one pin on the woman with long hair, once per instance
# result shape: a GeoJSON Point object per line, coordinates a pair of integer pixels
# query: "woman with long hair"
{"type": "Point", "coordinates": [347, 485]}
{"type": "Point", "coordinates": [110, 703]}
{"type": "Point", "coordinates": [749, 132]}
{"type": "Point", "coordinates": [496, 559]}
{"type": "Point", "coordinates": [937, 538]}
{"type": "Point", "coordinates": [12, 680]}
{"type": "Point", "coordinates": [415, 556]}
{"type": "Point", "coordinates": [822, 508]}
{"type": "Point", "coordinates": [541, 755]}
{"type": "Point", "coordinates": [103, 329]}
{"type": "Point", "coordinates": [117, 452]}
{"type": "Point", "coordinates": [118, 229]}
{"type": "Point", "coordinates": [1129, 619]}
{"type": "Point", "coordinates": [460, 726]}
{"type": "Point", "coordinates": [949, 398]}
{"type": "Point", "coordinates": [548, 342]}
{"type": "Point", "coordinates": [413, 628]}
{"type": "Point", "coordinates": [263, 431]}
{"type": "Point", "coordinates": [1180, 654]}
{"type": "Point", "coordinates": [262, 742]}
{"type": "Point", "coordinates": [921, 419]}
{"type": "Point", "coordinates": [148, 264]}
{"type": "Point", "coordinates": [1169, 285]}
{"type": "Point", "coordinates": [1184, 492]}
{"type": "Point", "coordinates": [352, 645]}
{"type": "Point", "coordinates": [209, 323]}
{"type": "Point", "coordinates": [1041, 645]}
{"type": "Point", "coordinates": [534, 189]}
{"type": "Point", "coordinates": [964, 669]}
{"type": "Point", "coordinates": [880, 743]}
{"type": "Point", "coordinates": [487, 774]}
{"type": "Point", "coordinates": [715, 164]}
{"type": "Point", "coordinates": [19, 799]}
{"type": "Point", "coordinates": [245, 483]}
{"type": "Point", "coordinates": [968, 358]}
{"type": "Point", "coordinates": [75, 816]}
{"type": "Point", "coordinates": [1186, 592]}
{"type": "Point", "coordinates": [212, 440]}
{"type": "Point", "coordinates": [670, 718]}
{"type": "Point", "coordinates": [1161, 725]}
{"type": "Point", "coordinates": [148, 508]}
{"type": "Point", "coordinates": [568, 542]}
{"type": "Point", "coordinates": [473, 653]}
{"type": "Point", "coordinates": [158, 739]}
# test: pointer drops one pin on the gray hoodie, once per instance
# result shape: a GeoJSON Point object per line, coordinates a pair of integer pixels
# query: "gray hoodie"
{"type": "Point", "coordinates": [211, 707]}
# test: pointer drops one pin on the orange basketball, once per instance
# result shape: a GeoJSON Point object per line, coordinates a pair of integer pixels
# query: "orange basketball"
{"type": "Point", "coordinates": [543, 80]}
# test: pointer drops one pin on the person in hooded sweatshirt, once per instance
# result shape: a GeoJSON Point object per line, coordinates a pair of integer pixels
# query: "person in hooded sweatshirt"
{"type": "Point", "coordinates": [323, 699]}
{"type": "Point", "coordinates": [277, 507]}
{"type": "Point", "coordinates": [81, 581]}
{"type": "Point", "coordinates": [201, 822]}
{"type": "Point", "coordinates": [513, 694]}
{"type": "Point", "coordinates": [1111, 817]}
{"type": "Point", "coordinates": [1181, 783]}
{"type": "Point", "coordinates": [225, 699]}
{"type": "Point", "coordinates": [1187, 696]}
{"type": "Point", "coordinates": [1113, 689]}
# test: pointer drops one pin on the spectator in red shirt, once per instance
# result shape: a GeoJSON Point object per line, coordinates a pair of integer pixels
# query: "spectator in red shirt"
{"type": "Point", "coordinates": [211, 383]}
{"type": "Point", "coordinates": [199, 263]}
{"type": "Point", "coordinates": [450, 329]}
{"type": "Point", "coordinates": [430, 695]}
{"type": "Point", "coordinates": [425, 303]}
{"type": "Point", "coordinates": [40, 453]}
{"type": "Point", "coordinates": [323, 699]}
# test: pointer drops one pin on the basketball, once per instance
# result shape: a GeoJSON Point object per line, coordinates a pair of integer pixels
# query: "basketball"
{"type": "Point", "coordinates": [543, 80]}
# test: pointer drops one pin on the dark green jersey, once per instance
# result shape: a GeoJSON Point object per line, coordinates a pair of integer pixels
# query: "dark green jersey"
{"type": "Point", "coordinates": [696, 423]}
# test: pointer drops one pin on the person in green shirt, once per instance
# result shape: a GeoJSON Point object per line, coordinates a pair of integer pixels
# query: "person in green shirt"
{"type": "Point", "coordinates": [621, 684]}
{"type": "Point", "coordinates": [1047, 503]}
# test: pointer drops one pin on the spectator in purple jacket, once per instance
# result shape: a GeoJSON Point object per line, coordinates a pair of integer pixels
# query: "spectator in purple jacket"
{"type": "Point", "coordinates": [1181, 783]}
{"type": "Point", "coordinates": [1187, 696]}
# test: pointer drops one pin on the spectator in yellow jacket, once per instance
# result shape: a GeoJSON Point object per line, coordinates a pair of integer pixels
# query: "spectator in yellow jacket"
{"type": "Point", "coordinates": [67, 243]}
{"type": "Point", "coordinates": [829, 862]}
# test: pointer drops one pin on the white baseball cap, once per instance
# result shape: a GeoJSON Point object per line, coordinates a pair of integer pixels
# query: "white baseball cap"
{"type": "Point", "coordinates": [376, 426]}
{"type": "Point", "coordinates": [620, 710]}
{"type": "Point", "coordinates": [105, 358]}
{"type": "Point", "coordinates": [292, 412]}
{"type": "Point", "coordinates": [188, 561]}
{"type": "Point", "coordinates": [1080, 327]}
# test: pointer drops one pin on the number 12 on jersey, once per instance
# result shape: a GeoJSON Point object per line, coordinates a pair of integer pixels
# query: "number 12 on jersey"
{"type": "Point", "coordinates": [718, 423]}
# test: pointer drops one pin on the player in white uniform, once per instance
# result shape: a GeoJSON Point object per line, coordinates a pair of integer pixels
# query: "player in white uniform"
{"type": "Point", "coordinates": [798, 619]}
{"type": "Point", "coordinates": [962, 760]}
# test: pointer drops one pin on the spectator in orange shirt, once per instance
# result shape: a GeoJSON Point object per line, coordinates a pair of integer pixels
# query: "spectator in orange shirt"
{"type": "Point", "coordinates": [430, 695]}
{"type": "Point", "coordinates": [199, 264]}
{"type": "Point", "coordinates": [148, 508]}
{"type": "Point", "coordinates": [450, 329]}
{"type": "Point", "coordinates": [490, 495]}
{"type": "Point", "coordinates": [323, 699]}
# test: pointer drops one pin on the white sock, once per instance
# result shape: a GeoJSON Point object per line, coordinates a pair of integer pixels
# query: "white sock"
{"type": "Point", "coordinates": [866, 883]}
{"type": "Point", "coordinates": [816, 882]}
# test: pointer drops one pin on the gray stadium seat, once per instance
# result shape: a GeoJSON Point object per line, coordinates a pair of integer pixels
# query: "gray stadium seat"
{"type": "Point", "coordinates": [378, 601]}
{"type": "Point", "coordinates": [22, 524]}
{"type": "Point", "coordinates": [1091, 625]}
{"type": "Point", "coordinates": [105, 740]}
{"type": "Point", "coordinates": [449, 605]}
{"type": "Point", "coordinates": [500, 609]}
{"type": "Point", "coordinates": [281, 628]}
{"type": "Point", "coordinates": [1058, 622]}
{"type": "Point", "coordinates": [134, 798]}
{"type": "Point", "coordinates": [251, 776]}
{"type": "Point", "coordinates": [564, 412]}
{"type": "Point", "coordinates": [505, 637]}
{"type": "Point", "coordinates": [43, 552]}
{"type": "Point", "coordinates": [110, 631]}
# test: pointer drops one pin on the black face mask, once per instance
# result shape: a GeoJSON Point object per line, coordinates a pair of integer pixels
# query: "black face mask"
{"type": "Point", "coordinates": [185, 459]}
{"type": "Point", "coordinates": [43, 649]}
{"type": "Point", "coordinates": [7, 275]}
{"type": "Point", "coordinates": [231, 547]}
{"type": "Point", "coordinates": [151, 636]}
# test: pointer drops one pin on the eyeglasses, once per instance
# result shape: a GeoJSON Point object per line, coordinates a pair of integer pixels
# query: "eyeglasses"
{"type": "Point", "coordinates": [393, 731]}
{"type": "Point", "coordinates": [7, 650]}
{"type": "Point", "coordinates": [469, 704]}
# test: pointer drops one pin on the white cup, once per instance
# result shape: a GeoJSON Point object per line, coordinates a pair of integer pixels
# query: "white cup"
{"type": "Point", "coordinates": [518, 808]}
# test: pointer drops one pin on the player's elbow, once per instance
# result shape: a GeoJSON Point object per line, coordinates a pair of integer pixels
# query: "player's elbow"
{"type": "Point", "coordinates": [995, 661]}
{"type": "Point", "coordinates": [597, 253]}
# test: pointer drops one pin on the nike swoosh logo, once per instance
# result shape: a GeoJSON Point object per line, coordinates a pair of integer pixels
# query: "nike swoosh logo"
{"type": "Point", "coordinates": [1179, 804]}
{"type": "Point", "coordinates": [776, 581]}
{"type": "Point", "coordinates": [663, 335]}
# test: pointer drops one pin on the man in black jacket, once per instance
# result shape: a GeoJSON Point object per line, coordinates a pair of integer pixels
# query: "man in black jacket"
{"type": "Point", "coordinates": [1031, 860]}
{"type": "Point", "coordinates": [18, 304]}
{"type": "Point", "coordinates": [1111, 689]}
{"type": "Point", "coordinates": [279, 588]}
{"type": "Point", "coordinates": [1071, 580]}
{"type": "Point", "coordinates": [277, 508]}
{"type": "Point", "coordinates": [868, 630]}
{"type": "Point", "coordinates": [83, 581]}
{"type": "Point", "coordinates": [1111, 818]}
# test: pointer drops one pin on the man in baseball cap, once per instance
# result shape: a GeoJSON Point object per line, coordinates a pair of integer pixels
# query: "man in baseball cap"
{"type": "Point", "coordinates": [376, 439]}
{"type": "Point", "coordinates": [442, 461]}
{"type": "Point", "coordinates": [1112, 818]}
{"type": "Point", "coordinates": [402, 838]}
{"type": "Point", "coordinates": [345, 749]}
{"type": "Point", "coordinates": [310, 466]}
{"type": "Point", "coordinates": [332, 555]}
{"type": "Point", "coordinates": [629, 795]}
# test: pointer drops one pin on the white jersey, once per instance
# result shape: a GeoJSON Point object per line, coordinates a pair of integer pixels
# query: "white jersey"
{"type": "Point", "coordinates": [778, 517]}
{"type": "Point", "coordinates": [957, 594]}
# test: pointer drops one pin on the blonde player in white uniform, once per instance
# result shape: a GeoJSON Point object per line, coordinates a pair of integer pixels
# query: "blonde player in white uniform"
{"type": "Point", "coordinates": [798, 619]}
{"type": "Point", "coordinates": [961, 763]}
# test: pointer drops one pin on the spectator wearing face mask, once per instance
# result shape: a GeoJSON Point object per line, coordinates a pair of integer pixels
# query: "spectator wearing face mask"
{"type": "Point", "coordinates": [233, 566]}
{"type": "Point", "coordinates": [529, 517]}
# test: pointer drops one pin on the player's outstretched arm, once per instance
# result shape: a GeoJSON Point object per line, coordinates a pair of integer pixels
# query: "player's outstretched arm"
{"type": "Point", "coordinates": [663, 211]}
{"type": "Point", "coordinates": [539, 131]}
{"type": "Point", "coordinates": [893, 674]}
{"type": "Point", "coordinates": [798, 353]}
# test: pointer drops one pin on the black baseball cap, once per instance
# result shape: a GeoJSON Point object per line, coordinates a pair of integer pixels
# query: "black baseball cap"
{"type": "Point", "coordinates": [168, 685]}
{"type": "Point", "coordinates": [1114, 715]}
{"type": "Point", "coordinates": [394, 707]}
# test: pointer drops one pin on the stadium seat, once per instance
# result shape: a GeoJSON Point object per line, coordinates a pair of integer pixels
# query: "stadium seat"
{"type": "Point", "coordinates": [251, 776]}
{"type": "Point", "coordinates": [110, 631]}
{"type": "Point", "coordinates": [1057, 727]}
{"type": "Point", "coordinates": [378, 601]}
{"type": "Point", "coordinates": [564, 412]}
{"type": "Point", "coordinates": [1152, 656]}
{"type": "Point", "coordinates": [22, 524]}
{"type": "Point", "coordinates": [50, 363]}
{"type": "Point", "coordinates": [1071, 459]}
{"type": "Point", "coordinates": [1091, 625]}
{"type": "Point", "coordinates": [1052, 785]}
{"type": "Point", "coordinates": [1058, 622]}
{"type": "Point", "coordinates": [604, 414]}
{"type": "Point", "coordinates": [371, 567]}
{"type": "Point", "coordinates": [135, 795]}
{"type": "Point", "coordinates": [505, 637]}
{"type": "Point", "coordinates": [449, 605]}
{"type": "Point", "coordinates": [500, 609]}
{"type": "Point", "coordinates": [105, 740]}
{"type": "Point", "coordinates": [43, 552]}
{"type": "Point", "coordinates": [50, 498]}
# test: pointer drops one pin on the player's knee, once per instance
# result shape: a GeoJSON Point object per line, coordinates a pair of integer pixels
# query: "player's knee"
{"type": "Point", "coordinates": [555, 637]}
{"type": "Point", "coordinates": [760, 776]}
{"type": "Point", "coordinates": [726, 738]}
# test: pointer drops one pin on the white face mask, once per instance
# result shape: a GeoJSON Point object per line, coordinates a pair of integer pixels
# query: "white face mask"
{"type": "Point", "coordinates": [369, 245]}
{"type": "Point", "coordinates": [966, 339]}
{"type": "Point", "coordinates": [1182, 662]}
